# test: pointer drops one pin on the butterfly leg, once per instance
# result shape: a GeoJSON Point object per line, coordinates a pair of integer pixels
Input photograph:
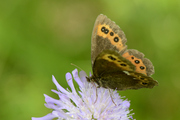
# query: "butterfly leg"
{"type": "Point", "coordinates": [96, 91]}
{"type": "Point", "coordinates": [111, 96]}
{"type": "Point", "coordinates": [94, 85]}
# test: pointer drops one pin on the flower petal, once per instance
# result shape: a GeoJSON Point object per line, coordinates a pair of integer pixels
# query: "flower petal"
{"type": "Point", "coordinates": [59, 86]}
{"type": "Point", "coordinates": [49, 116]}
{"type": "Point", "coordinates": [70, 82]}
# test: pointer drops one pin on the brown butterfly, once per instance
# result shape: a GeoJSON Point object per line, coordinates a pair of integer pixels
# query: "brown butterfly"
{"type": "Point", "coordinates": [114, 66]}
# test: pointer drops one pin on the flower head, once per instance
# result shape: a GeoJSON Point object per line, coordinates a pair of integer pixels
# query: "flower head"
{"type": "Point", "coordinates": [85, 104]}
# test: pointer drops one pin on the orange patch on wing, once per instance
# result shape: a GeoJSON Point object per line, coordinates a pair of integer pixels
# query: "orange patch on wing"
{"type": "Point", "coordinates": [138, 69]}
{"type": "Point", "coordinates": [118, 44]}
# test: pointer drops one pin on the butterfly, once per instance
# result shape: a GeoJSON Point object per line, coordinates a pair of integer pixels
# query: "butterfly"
{"type": "Point", "coordinates": [114, 66]}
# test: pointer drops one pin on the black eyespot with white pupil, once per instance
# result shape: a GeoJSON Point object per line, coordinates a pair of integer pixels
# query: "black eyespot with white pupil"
{"type": "Point", "coordinates": [103, 29]}
{"type": "Point", "coordinates": [106, 31]}
{"type": "Point", "coordinates": [116, 39]}
{"type": "Point", "coordinates": [137, 61]}
{"type": "Point", "coordinates": [142, 68]}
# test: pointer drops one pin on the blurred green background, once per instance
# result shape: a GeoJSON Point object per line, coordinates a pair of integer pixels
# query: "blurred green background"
{"type": "Point", "coordinates": [40, 38]}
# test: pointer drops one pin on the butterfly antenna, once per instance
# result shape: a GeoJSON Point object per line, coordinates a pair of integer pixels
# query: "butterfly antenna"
{"type": "Point", "coordinates": [77, 66]}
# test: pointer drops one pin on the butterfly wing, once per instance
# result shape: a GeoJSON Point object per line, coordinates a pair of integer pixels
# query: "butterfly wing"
{"type": "Point", "coordinates": [106, 35]}
{"type": "Point", "coordinates": [143, 65]}
{"type": "Point", "coordinates": [110, 61]}
{"type": "Point", "coordinates": [113, 65]}
{"type": "Point", "coordinates": [111, 70]}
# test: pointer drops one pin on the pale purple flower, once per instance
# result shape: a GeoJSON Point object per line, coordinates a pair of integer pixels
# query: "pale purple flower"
{"type": "Point", "coordinates": [84, 104]}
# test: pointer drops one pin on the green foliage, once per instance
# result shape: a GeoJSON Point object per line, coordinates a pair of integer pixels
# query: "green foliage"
{"type": "Point", "coordinates": [40, 38]}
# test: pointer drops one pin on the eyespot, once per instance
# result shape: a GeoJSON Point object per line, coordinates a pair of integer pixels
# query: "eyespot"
{"type": "Point", "coordinates": [144, 83]}
{"type": "Point", "coordinates": [137, 61]}
{"type": "Point", "coordinates": [103, 29]}
{"type": "Point", "coordinates": [106, 31]}
{"type": "Point", "coordinates": [111, 33]}
{"type": "Point", "coordinates": [142, 68]}
{"type": "Point", "coordinates": [142, 78]}
{"type": "Point", "coordinates": [123, 64]}
{"type": "Point", "coordinates": [116, 39]}
{"type": "Point", "coordinates": [112, 58]}
{"type": "Point", "coordinates": [132, 57]}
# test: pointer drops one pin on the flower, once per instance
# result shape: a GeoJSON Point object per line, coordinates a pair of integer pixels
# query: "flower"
{"type": "Point", "coordinates": [85, 104]}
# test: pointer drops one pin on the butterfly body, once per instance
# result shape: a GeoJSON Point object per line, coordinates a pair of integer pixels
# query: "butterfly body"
{"type": "Point", "coordinates": [115, 66]}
